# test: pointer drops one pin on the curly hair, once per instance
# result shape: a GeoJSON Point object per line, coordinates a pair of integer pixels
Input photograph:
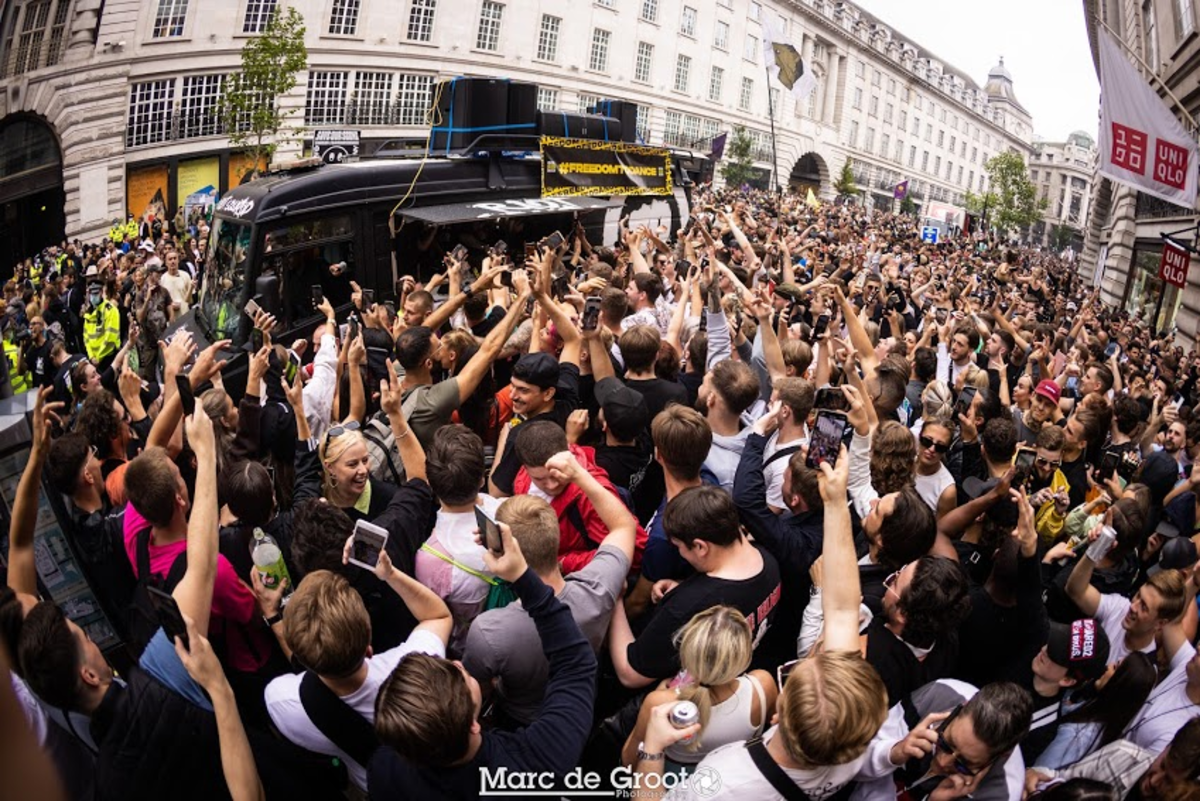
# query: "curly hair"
{"type": "Point", "coordinates": [936, 602]}
{"type": "Point", "coordinates": [893, 456]}
{"type": "Point", "coordinates": [98, 422]}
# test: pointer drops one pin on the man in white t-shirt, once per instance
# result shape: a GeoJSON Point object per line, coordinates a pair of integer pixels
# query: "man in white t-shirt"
{"type": "Point", "coordinates": [1131, 625]}
{"type": "Point", "coordinates": [178, 284]}
{"type": "Point", "coordinates": [796, 395]}
{"type": "Point", "coordinates": [329, 631]}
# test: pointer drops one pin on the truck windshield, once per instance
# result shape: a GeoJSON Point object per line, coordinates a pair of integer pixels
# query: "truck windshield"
{"type": "Point", "coordinates": [224, 285]}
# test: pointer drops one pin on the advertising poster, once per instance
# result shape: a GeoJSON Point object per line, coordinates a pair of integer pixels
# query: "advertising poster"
{"type": "Point", "coordinates": [240, 167]}
{"type": "Point", "coordinates": [146, 191]}
{"type": "Point", "coordinates": [197, 176]}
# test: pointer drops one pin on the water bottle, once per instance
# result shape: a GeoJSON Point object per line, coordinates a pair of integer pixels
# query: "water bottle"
{"type": "Point", "coordinates": [682, 715]}
{"type": "Point", "coordinates": [268, 559]}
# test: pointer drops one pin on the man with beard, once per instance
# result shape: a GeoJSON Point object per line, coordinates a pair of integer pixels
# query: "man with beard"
{"type": "Point", "coordinates": [1044, 409]}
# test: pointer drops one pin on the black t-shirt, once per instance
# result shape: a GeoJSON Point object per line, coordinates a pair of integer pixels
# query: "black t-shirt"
{"type": "Point", "coordinates": [493, 318]}
{"type": "Point", "coordinates": [1043, 727]}
{"type": "Point", "coordinates": [37, 360]}
{"type": "Point", "coordinates": [622, 462]}
{"type": "Point", "coordinates": [653, 653]}
{"type": "Point", "coordinates": [658, 392]}
{"type": "Point", "coordinates": [901, 670]}
{"type": "Point", "coordinates": [1076, 474]}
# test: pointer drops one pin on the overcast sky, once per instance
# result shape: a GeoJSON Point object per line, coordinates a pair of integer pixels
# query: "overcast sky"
{"type": "Point", "coordinates": [1044, 44]}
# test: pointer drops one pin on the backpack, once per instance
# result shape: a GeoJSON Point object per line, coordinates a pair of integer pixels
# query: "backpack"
{"type": "Point", "coordinates": [386, 464]}
{"type": "Point", "coordinates": [142, 620]}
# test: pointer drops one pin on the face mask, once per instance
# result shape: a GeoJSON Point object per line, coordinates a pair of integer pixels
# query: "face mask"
{"type": "Point", "coordinates": [94, 298]}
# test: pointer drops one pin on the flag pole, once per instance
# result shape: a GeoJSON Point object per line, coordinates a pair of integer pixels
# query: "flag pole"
{"type": "Point", "coordinates": [1150, 70]}
{"type": "Point", "coordinates": [774, 147]}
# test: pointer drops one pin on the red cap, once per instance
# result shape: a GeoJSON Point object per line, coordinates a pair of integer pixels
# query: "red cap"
{"type": "Point", "coordinates": [1049, 390]}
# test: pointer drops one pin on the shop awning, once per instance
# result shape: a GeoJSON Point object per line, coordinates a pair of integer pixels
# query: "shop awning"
{"type": "Point", "coordinates": [513, 207]}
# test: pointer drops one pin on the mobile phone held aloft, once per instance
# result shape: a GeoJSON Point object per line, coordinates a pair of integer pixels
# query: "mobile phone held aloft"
{"type": "Point", "coordinates": [369, 542]}
{"type": "Point", "coordinates": [1023, 464]}
{"type": "Point", "coordinates": [553, 241]}
{"type": "Point", "coordinates": [826, 438]}
{"type": "Point", "coordinates": [1108, 465]}
{"type": "Point", "coordinates": [831, 398]}
{"type": "Point", "coordinates": [965, 398]}
{"type": "Point", "coordinates": [591, 313]}
{"type": "Point", "coordinates": [169, 616]}
{"type": "Point", "coordinates": [184, 385]}
{"type": "Point", "coordinates": [489, 531]}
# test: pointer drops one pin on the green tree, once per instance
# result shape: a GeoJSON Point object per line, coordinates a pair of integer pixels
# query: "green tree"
{"type": "Point", "coordinates": [250, 109]}
{"type": "Point", "coordinates": [1061, 236]}
{"type": "Point", "coordinates": [1012, 200]}
{"type": "Point", "coordinates": [908, 206]}
{"type": "Point", "coordinates": [845, 183]}
{"type": "Point", "coordinates": [738, 167]}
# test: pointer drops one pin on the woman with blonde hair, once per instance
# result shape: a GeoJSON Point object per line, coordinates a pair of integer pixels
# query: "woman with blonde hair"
{"type": "Point", "coordinates": [714, 654]}
{"type": "Point", "coordinates": [347, 482]}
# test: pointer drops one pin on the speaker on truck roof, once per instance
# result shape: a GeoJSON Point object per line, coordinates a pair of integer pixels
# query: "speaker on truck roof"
{"type": "Point", "coordinates": [579, 126]}
{"type": "Point", "coordinates": [621, 110]}
{"type": "Point", "coordinates": [483, 110]}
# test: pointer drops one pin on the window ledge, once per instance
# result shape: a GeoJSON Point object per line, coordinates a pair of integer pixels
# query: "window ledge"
{"type": "Point", "coordinates": [162, 40]}
{"type": "Point", "coordinates": [482, 52]}
{"type": "Point", "coordinates": [545, 62]}
{"type": "Point", "coordinates": [591, 71]}
{"type": "Point", "coordinates": [343, 37]}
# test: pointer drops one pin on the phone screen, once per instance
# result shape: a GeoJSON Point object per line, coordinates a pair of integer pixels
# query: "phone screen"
{"type": "Point", "coordinates": [591, 314]}
{"type": "Point", "coordinates": [184, 385]}
{"type": "Point", "coordinates": [1023, 464]}
{"type": "Point", "coordinates": [459, 253]}
{"type": "Point", "coordinates": [368, 298]}
{"type": "Point", "coordinates": [318, 295]}
{"type": "Point", "coordinates": [369, 542]}
{"type": "Point", "coordinates": [500, 247]}
{"type": "Point", "coordinates": [831, 398]}
{"type": "Point", "coordinates": [1108, 464]}
{"type": "Point", "coordinates": [530, 250]}
{"type": "Point", "coordinates": [256, 339]}
{"type": "Point", "coordinates": [291, 368]}
{"type": "Point", "coordinates": [826, 438]}
{"type": "Point", "coordinates": [965, 398]}
{"type": "Point", "coordinates": [169, 616]}
{"type": "Point", "coordinates": [490, 531]}
{"type": "Point", "coordinates": [821, 324]}
{"type": "Point", "coordinates": [554, 240]}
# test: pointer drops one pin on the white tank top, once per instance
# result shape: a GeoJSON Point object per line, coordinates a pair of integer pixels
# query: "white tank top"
{"type": "Point", "coordinates": [728, 722]}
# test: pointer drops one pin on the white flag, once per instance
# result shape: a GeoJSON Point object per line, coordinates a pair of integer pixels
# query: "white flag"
{"type": "Point", "coordinates": [784, 63]}
{"type": "Point", "coordinates": [1142, 144]}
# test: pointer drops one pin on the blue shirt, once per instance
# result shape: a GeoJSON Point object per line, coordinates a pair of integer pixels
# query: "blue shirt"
{"type": "Point", "coordinates": [160, 661]}
{"type": "Point", "coordinates": [661, 559]}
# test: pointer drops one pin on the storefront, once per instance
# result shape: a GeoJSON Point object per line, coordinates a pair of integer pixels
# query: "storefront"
{"type": "Point", "coordinates": [1145, 287]}
{"type": "Point", "coordinates": [163, 187]}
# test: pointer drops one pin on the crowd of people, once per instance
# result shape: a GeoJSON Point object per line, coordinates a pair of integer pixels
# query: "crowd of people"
{"type": "Point", "coordinates": [787, 503]}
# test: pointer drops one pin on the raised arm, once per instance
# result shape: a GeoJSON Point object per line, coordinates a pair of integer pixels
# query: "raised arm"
{"type": "Point", "coordinates": [412, 455]}
{"type": "Point", "coordinates": [1079, 587]}
{"type": "Point", "coordinates": [841, 591]}
{"type": "Point", "coordinates": [478, 366]}
{"type": "Point", "coordinates": [431, 612]}
{"type": "Point", "coordinates": [858, 335]}
{"type": "Point", "coordinates": [621, 525]}
{"type": "Point", "coordinates": [22, 571]}
{"type": "Point", "coordinates": [195, 590]}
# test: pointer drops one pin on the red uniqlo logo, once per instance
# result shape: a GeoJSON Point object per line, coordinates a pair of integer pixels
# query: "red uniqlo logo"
{"type": "Point", "coordinates": [1173, 268]}
{"type": "Point", "coordinates": [1170, 164]}
{"type": "Point", "coordinates": [1129, 149]}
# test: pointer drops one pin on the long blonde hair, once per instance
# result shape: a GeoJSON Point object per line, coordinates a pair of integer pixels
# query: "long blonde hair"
{"type": "Point", "coordinates": [715, 648]}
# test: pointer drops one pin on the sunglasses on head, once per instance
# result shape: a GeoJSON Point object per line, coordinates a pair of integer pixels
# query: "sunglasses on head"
{"type": "Point", "coordinates": [337, 431]}
{"type": "Point", "coordinates": [927, 442]}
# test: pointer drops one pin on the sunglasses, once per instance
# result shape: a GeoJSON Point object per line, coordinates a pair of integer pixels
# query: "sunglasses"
{"type": "Point", "coordinates": [1047, 463]}
{"type": "Point", "coordinates": [960, 765]}
{"type": "Point", "coordinates": [337, 431]}
{"type": "Point", "coordinates": [783, 671]}
{"type": "Point", "coordinates": [927, 443]}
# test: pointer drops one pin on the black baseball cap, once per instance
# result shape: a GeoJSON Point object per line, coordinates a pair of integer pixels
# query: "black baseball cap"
{"type": "Point", "coordinates": [1081, 647]}
{"type": "Point", "coordinates": [539, 369]}
{"type": "Point", "coordinates": [625, 411]}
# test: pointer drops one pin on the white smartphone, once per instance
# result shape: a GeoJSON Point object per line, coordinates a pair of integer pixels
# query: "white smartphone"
{"type": "Point", "coordinates": [369, 542]}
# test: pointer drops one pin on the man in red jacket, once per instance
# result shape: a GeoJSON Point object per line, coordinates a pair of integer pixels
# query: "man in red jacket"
{"type": "Point", "coordinates": [579, 526]}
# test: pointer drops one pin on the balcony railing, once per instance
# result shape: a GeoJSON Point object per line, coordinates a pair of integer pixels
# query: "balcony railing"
{"type": "Point", "coordinates": [1151, 208]}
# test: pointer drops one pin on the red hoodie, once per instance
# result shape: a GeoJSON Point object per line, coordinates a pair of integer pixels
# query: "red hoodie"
{"type": "Point", "coordinates": [574, 553]}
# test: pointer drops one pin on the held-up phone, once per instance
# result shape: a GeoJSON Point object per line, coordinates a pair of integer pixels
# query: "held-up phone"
{"type": "Point", "coordinates": [831, 398]}
{"type": "Point", "coordinates": [1023, 465]}
{"type": "Point", "coordinates": [184, 385]}
{"type": "Point", "coordinates": [291, 368]}
{"type": "Point", "coordinates": [591, 313]}
{"type": "Point", "coordinates": [318, 295]}
{"type": "Point", "coordinates": [169, 616]}
{"type": "Point", "coordinates": [459, 253]}
{"type": "Point", "coordinates": [1108, 465]}
{"type": "Point", "coordinates": [826, 438]}
{"type": "Point", "coordinates": [368, 298]}
{"type": "Point", "coordinates": [252, 308]}
{"type": "Point", "coordinates": [965, 398]}
{"type": "Point", "coordinates": [489, 530]}
{"type": "Point", "coordinates": [682, 266]}
{"type": "Point", "coordinates": [560, 285]}
{"type": "Point", "coordinates": [352, 328]}
{"type": "Point", "coordinates": [369, 542]}
{"type": "Point", "coordinates": [256, 340]}
{"type": "Point", "coordinates": [820, 326]}
{"type": "Point", "coordinates": [553, 241]}
{"type": "Point", "coordinates": [531, 250]}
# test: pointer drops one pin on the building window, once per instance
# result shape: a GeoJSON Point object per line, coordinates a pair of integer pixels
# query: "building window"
{"type": "Point", "coordinates": [970, 179]}
{"type": "Point", "coordinates": [916, 129]}
{"type": "Point", "coordinates": [873, 109]}
{"type": "Point", "coordinates": [344, 19]}
{"type": "Point", "coordinates": [420, 20]}
{"type": "Point", "coordinates": [687, 22]}
{"type": "Point", "coordinates": [721, 35]}
{"type": "Point", "coordinates": [149, 112]}
{"type": "Point", "coordinates": [960, 172]}
{"type": "Point", "coordinates": [860, 69]}
{"type": "Point", "coordinates": [372, 98]}
{"type": "Point", "coordinates": [928, 132]}
{"type": "Point", "coordinates": [547, 99]}
{"type": "Point", "coordinates": [941, 138]}
{"type": "Point", "coordinates": [924, 161]}
{"type": "Point", "coordinates": [876, 77]}
{"type": "Point", "coordinates": [755, 10]}
{"type": "Point", "coordinates": [325, 101]}
{"type": "Point", "coordinates": [258, 14]}
{"type": "Point", "coordinates": [899, 151]}
{"type": "Point", "coordinates": [643, 122]}
{"type": "Point", "coordinates": [598, 59]}
{"type": "Point", "coordinates": [169, 18]}
{"type": "Point", "coordinates": [33, 48]}
{"type": "Point", "coordinates": [883, 146]}
{"type": "Point", "coordinates": [641, 67]}
{"type": "Point", "coordinates": [775, 101]}
{"type": "Point", "coordinates": [1185, 18]}
{"type": "Point", "coordinates": [953, 143]}
{"type": "Point", "coordinates": [869, 141]}
{"type": "Point", "coordinates": [857, 102]}
{"type": "Point", "coordinates": [488, 37]}
{"type": "Point", "coordinates": [548, 38]}
{"type": "Point", "coordinates": [586, 102]}
{"type": "Point", "coordinates": [716, 84]}
{"type": "Point", "coordinates": [891, 86]}
{"type": "Point", "coordinates": [650, 10]}
{"type": "Point", "coordinates": [751, 52]}
{"type": "Point", "coordinates": [413, 97]}
{"type": "Point", "coordinates": [683, 69]}
{"type": "Point", "coordinates": [853, 140]}
{"type": "Point", "coordinates": [912, 156]}
{"type": "Point", "coordinates": [746, 95]}
{"type": "Point", "coordinates": [937, 165]}
{"type": "Point", "coordinates": [902, 120]}
{"type": "Point", "coordinates": [198, 106]}
{"type": "Point", "coordinates": [888, 111]}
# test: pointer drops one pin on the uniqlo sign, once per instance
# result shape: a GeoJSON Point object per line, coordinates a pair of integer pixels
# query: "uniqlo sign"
{"type": "Point", "coordinates": [1174, 265]}
{"type": "Point", "coordinates": [1142, 142]}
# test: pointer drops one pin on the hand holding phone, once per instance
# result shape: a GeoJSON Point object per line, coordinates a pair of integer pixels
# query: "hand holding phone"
{"type": "Point", "coordinates": [169, 616]}
{"type": "Point", "coordinates": [367, 543]}
{"type": "Point", "coordinates": [184, 385]}
{"type": "Point", "coordinates": [489, 531]}
{"type": "Point", "coordinates": [826, 439]}
{"type": "Point", "coordinates": [591, 313]}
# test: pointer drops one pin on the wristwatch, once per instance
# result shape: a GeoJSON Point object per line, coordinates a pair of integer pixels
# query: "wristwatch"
{"type": "Point", "coordinates": [642, 755]}
{"type": "Point", "coordinates": [273, 619]}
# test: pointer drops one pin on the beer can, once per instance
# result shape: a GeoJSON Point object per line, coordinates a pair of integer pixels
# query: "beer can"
{"type": "Point", "coordinates": [684, 714]}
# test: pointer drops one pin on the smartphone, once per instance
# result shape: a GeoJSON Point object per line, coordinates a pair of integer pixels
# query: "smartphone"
{"type": "Point", "coordinates": [591, 313]}
{"type": "Point", "coordinates": [965, 398]}
{"type": "Point", "coordinates": [870, 296]}
{"type": "Point", "coordinates": [831, 398]}
{"type": "Point", "coordinates": [318, 295]}
{"type": "Point", "coordinates": [184, 385]}
{"type": "Point", "coordinates": [1023, 464]}
{"type": "Point", "coordinates": [368, 298]}
{"type": "Point", "coordinates": [821, 326]}
{"type": "Point", "coordinates": [531, 250]}
{"type": "Point", "coordinates": [682, 266]}
{"type": "Point", "coordinates": [291, 368]}
{"type": "Point", "coordinates": [826, 438]}
{"type": "Point", "coordinates": [940, 316]}
{"type": "Point", "coordinates": [560, 286]}
{"type": "Point", "coordinates": [169, 616]}
{"type": "Point", "coordinates": [252, 308]}
{"type": "Point", "coordinates": [553, 241]}
{"type": "Point", "coordinates": [352, 328]}
{"type": "Point", "coordinates": [369, 542]}
{"type": "Point", "coordinates": [256, 340]}
{"type": "Point", "coordinates": [459, 253]}
{"type": "Point", "coordinates": [490, 531]}
{"type": "Point", "coordinates": [1108, 465]}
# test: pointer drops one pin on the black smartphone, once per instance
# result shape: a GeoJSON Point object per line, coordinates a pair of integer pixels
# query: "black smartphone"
{"type": "Point", "coordinates": [256, 340]}
{"type": "Point", "coordinates": [1108, 465]}
{"type": "Point", "coordinates": [965, 399]}
{"type": "Point", "coordinates": [1023, 464]}
{"type": "Point", "coordinates": [368, 298]}
{"type": "Point", "coordinates": [560, 286]}
{"type": "Point", "coordinates": [352, 328]}
{"type": "Point", "coordinates": [821, 326]}
{"type": "Point", "coordinates": [682, 266]}
{"type": "Point", "coordinates": [490, 531]}
{"type": "Point", "coordinates": [318, 295]}
{"type": "Point", "coordinates": [506, 279]}
{"type": "Point", "coordinates": [184, 385]}
{"type": "Point", "coordinates": [871, 294]}
{"type": "Point", "coordinates": [831, 398]}
{"type": "Point", "coordinates": [553, 241]}
{"type": "Point", "coordinates": [531, 250]}
{"type": "Point", "coordinates": [459, 253]}
{"type": "Point", "coordinates": [591, 313]}
{"type": "Point", "coordinates": [169, 616]}
{"type": "Point", "coordinates": [826, 438]}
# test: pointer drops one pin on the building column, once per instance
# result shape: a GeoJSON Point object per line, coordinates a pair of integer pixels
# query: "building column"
{"type": "Point", "coordinates": [832, 89]}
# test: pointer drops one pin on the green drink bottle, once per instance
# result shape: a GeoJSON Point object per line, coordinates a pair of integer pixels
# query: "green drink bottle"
{"type": "Point", "coordinates": [268, 559]}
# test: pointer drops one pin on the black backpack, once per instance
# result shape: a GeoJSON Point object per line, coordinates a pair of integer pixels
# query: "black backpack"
{"type": "Point", "coordinates": [142, 620]}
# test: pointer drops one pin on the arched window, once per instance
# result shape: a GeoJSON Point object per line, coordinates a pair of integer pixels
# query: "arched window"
{"type": "Point", "coordinates": [34, 35]}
